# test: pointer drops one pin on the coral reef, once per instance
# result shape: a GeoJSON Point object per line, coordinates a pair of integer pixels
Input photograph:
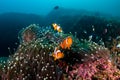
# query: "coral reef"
{"type": "Point", "coordinates": [33, 60]}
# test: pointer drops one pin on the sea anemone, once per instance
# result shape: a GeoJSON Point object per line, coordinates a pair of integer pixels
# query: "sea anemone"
{"type": "Point", "coordinates": [84, 60]}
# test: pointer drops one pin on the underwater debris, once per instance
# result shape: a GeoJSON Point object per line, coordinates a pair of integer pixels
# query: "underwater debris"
{"type": "Point", "coordinates": [71, 59]}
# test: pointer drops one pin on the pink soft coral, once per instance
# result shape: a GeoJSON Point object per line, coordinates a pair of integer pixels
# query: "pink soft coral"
{"type": "Point", "coordinates": [88, 70]}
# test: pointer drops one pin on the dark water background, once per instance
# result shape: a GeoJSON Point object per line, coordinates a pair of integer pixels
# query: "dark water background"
{"type": "Point", "coordinates": [16, 14]}
{"type": "Point", "coordinates": [43, 7]}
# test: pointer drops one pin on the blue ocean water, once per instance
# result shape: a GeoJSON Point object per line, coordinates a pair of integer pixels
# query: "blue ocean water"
{"type": "Point", "coordinates": [16, 14]}
{"type": "Point", "coordinates": [45, 6]}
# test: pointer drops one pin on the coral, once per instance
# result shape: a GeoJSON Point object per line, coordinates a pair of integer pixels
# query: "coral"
{"type": "Point", "coordinates": [84, 60]}
{"type": "Point", "coordinates": [91, 70]}
{"type": "Point", "coordinates": [29, 33]}
{"type": "Point", "coordinates": [31, 60]}
{"type": "Point", "coordinates": [115, 52]}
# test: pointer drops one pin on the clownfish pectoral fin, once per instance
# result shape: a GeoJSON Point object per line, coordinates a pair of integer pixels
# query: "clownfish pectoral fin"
{"type": "Point", "coordinates": [55, 59]}
{"type": "Point", "coordinates": [68, 48]}
{"type": "Point", "coordinates": [54, 26]}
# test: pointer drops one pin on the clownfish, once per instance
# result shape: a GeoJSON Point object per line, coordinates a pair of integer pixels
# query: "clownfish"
{"type": "Point", "coordinates": [57, 27]}
{"type": "Point", "coordinates": [57, 54]}
{"type": "Point", "coordinates": [66, 43]}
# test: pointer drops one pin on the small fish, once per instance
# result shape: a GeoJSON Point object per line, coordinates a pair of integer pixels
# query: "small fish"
{"type": "Point", "coordinates": [66, 43]}
{"type": "Point", "coordinates": [93, 28]}
{"type": "Point", "coordinates": [57, 54]}
{"type": "Point", "coordinates": [57, 27]}
{"type": "Point", "coordinates": [90, 37]}
{"type": "Point", "coordinates": [56, 7]}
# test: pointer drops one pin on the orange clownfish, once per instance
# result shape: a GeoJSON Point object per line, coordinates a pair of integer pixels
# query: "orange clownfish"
{"type": "Point", "coordinates": [57, 27]}
{"type": "Point", "coordinates": [57, 54]}
{"type": "Point", "coordinates": [66, 43]}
